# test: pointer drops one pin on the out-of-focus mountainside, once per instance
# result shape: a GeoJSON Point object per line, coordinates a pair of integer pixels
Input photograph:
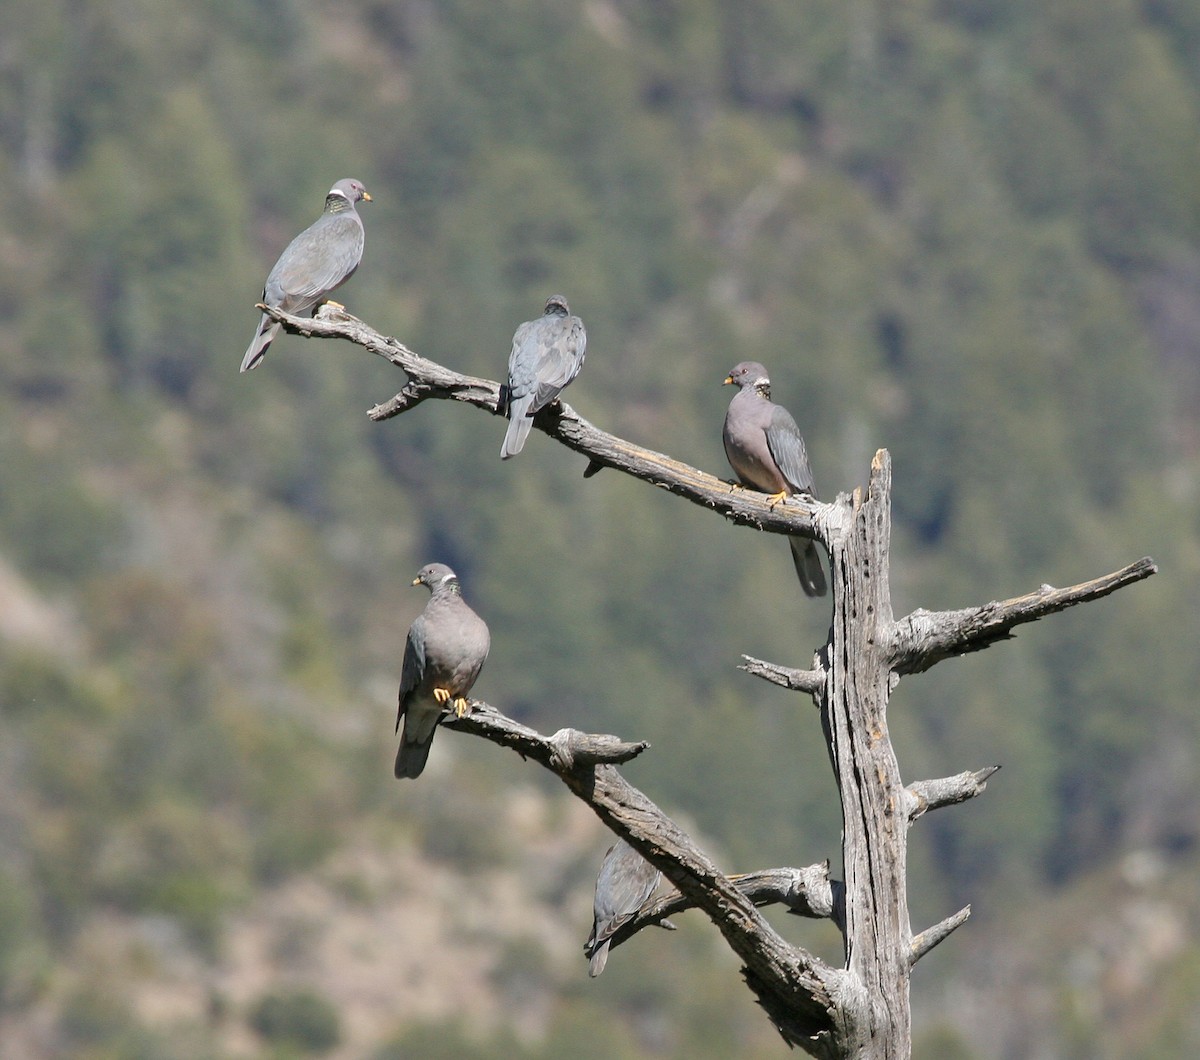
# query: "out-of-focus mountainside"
{"type": "Point", "coordinates": [965, 230]}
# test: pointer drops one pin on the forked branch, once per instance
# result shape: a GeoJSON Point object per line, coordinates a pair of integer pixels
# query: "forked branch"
{"type": "Point", "coordinates": [806, 892]}
{"type": "Point", "coordinates": [861, 1010]}
{"type": "Point", "coordinates": [796, 988]}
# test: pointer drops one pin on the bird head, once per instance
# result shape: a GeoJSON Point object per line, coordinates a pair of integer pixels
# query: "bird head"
{"type": "Point", "coordinates": [434, 575]}
{"type": "Point", "coordinates": [351, 190]}
{"type": "Point", "coordinates": [748, 373]}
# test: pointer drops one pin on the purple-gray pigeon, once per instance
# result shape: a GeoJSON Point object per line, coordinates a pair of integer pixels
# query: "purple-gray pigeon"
{"type": "Point", "coordinates": [767, 453]}
{"type": "Point", "coordinates": [625, 884]}
{"type": "Point", "coordinates": [547, 354]}
{"type": "Point", "coordinates": [447, 646]}
{"type": "Point", "coordinates": [318, 261]}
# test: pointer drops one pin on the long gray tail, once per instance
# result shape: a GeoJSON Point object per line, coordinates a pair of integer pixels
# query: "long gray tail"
{"type": "Point", "coordinates": [599, 959]}
{"type": "Point", "coordinates": [518, 429]}
{"type": "Point", "coordinates": [807, 559]}
{"type": "Point", "coordinates": [411, 757]}
{"type": "Point", "coordinates": [267, 330]}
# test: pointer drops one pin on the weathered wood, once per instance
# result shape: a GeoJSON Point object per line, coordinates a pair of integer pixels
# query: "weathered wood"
{"type": "Point", "coordinates": [926, 795]}
{"type": "Point", "coordinates": [794, 987]}
{"type": "Point", "coordinates": [927, 637]}
{"type": "Point", "coordinates": [811, 681]}
{"type": "Point", "coordinates": [860, 1010]}
{"type": "Point", "coordinates": [854, 714]}
{"type": "Point", "coordinates": [428, 379]}
{"type": "Point", "coordinates": [806, 892]}
{"type": "Point", "coordinates": [927, 939]}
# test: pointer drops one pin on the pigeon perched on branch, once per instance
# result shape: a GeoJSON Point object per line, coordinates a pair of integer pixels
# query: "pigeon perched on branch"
{"type": "Point", "coordinates": [767, 453]}
{"type": "Point", "coordinates": [547, 354]}
{"type": "Point", "coordinates": [315, 263]}
{"type": "Point", "coordinates": [447, 646]}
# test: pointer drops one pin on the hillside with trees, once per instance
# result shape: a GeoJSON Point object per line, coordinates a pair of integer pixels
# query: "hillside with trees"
{"type": "Point", "coordinates": [965, 230]}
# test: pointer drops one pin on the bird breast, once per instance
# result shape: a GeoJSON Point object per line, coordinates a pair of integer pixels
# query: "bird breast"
{"type": "Point", "coordinates": [454, 652]}
{"type": "Point", "coordinates": [745, 438]}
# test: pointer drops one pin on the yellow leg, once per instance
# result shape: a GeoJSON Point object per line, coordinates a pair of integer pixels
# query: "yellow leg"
{"type": "Point", "coordinates": [461, 706]}
{"type": "Point", "coordinates": [777, 498]}
{"type": "Point", "coordinates": [442, 695]}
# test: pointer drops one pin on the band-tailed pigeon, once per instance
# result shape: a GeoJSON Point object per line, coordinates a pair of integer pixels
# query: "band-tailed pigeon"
{"type": "Point", "coordinates": [447, 647]}
{"type": "Point", "coordinates": [767, 453]}
{"type": "Point", "coordinates": [319, 260]}
{"type": "Point", "coordinates": [625, 884]}
{"type": "Point", "coordinates": [547, 354]}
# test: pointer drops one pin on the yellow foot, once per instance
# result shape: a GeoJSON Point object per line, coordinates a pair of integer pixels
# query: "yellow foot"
{"type": "Point", "coordinates": [461, 706]}
{"type": "Point", "coordinates": [735, 486]}
{"type": "Point", "coordinates": [442, 695]}
{"type": "Point", "coordinates": [777, 498]}
{"type": "Point", "coordinates": [329, 310]}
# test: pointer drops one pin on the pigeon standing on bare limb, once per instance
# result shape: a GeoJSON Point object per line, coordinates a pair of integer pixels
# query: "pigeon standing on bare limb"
{"type": "Point", "coordinates": [766, 451]}
{"type": "Point", "coordinates": [447, 646]}
{"type": "Point", "coordinates": [318, 261]}
{"type": "Point", "coordinates": [547, 354]}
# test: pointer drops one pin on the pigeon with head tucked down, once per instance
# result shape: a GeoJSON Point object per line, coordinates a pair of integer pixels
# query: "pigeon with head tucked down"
{"type": "Point", "coordinates": [766, 451]}
{"type": "Point", "coordinates": [318, 261]}
{"type": "Point", "coordinates": [547, 354]}
{"type": "Point", "coordinates": [625, 884]}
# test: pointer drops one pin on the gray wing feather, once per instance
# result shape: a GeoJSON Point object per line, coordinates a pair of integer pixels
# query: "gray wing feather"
{"type": "Point", "coordinates": [522, 371]}
{"type": "Point", "coordinates": [547, 354]}
{"type": "Point", "coordinates": [560, 357]}
{"type": "Point", "coordinates": [413, 668]}
{"type": "Point", "coordinates": [787, 450]}
{"type": "Point", "coordinates": [625, 883]}
{"type": "Point", "coordinates": [320, 259]}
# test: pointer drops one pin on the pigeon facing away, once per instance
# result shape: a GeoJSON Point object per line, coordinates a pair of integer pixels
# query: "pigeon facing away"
{"type": "Point", "coordinates": [625, 884]}
{"type": "Point", "coordinates": [319, 260]}
{"type": "Point", "coordinates": [767, 453]}
{"type": "Point", "coordinates": [447, 646]}
{"type": "Point", "coordinates": [547, 354]}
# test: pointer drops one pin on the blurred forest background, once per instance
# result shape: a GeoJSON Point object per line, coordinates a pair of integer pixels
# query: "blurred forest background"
{"type": "Point", "coordinates": [966, 230]}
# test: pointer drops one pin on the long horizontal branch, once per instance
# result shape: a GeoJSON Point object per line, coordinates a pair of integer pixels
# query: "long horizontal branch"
{"type": "Point", "coordinates": [796, 988]}
{"type": "Point", "coordinates": [806, 892]}
{"type": "Point", "coordinates": [428, 379]}
{"type": "Point", "coordinates": [924, 638]}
